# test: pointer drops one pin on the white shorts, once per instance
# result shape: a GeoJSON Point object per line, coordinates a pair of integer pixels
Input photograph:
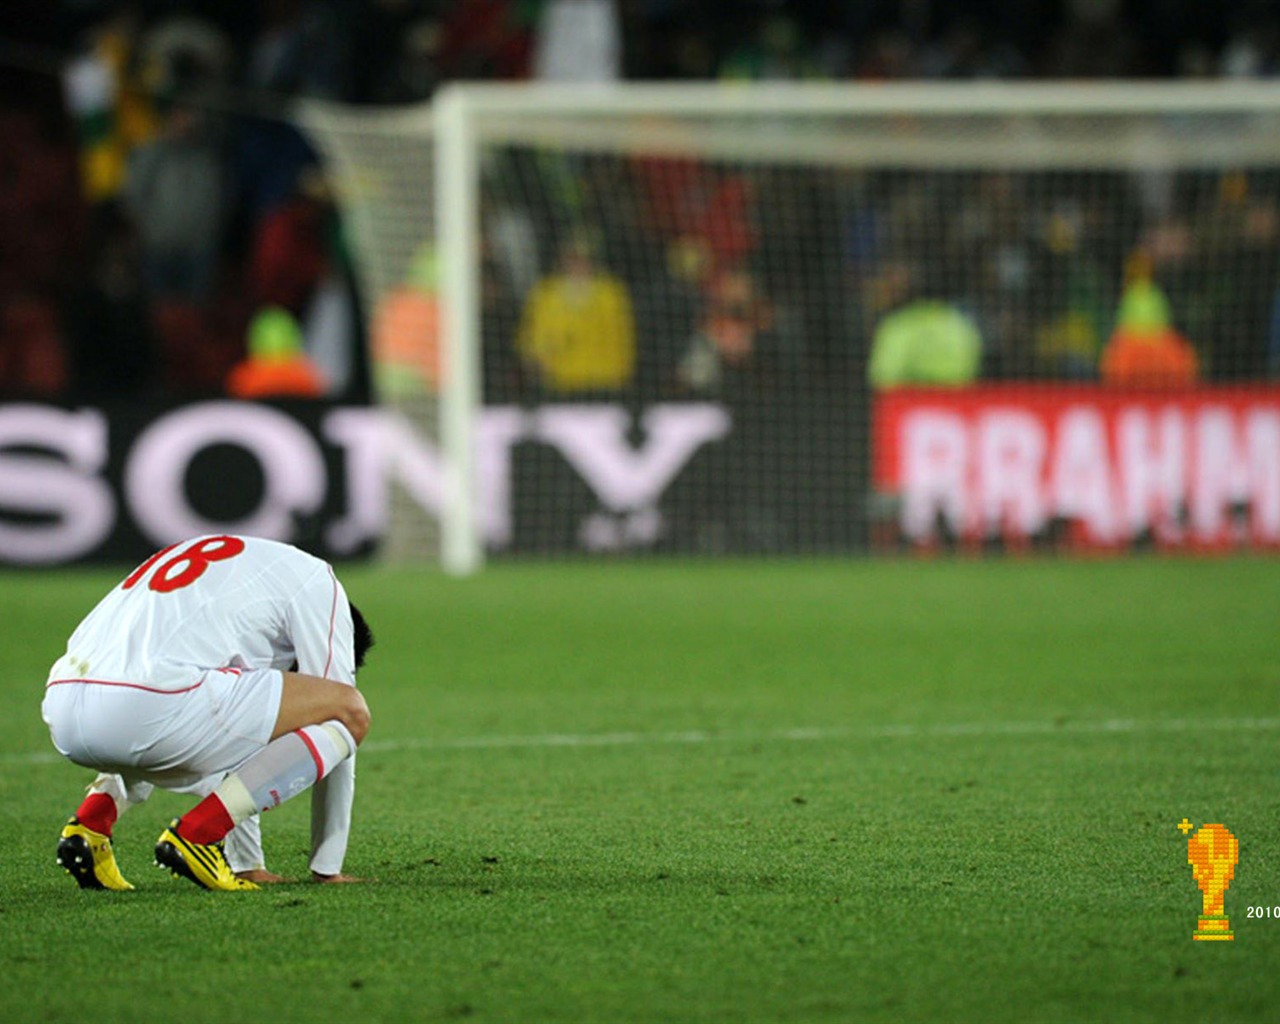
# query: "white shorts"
{"type": "Point", "coordinates": [174, 740]}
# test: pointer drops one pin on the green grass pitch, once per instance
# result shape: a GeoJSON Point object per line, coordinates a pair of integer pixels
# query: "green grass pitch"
{"type": "Point", "coordinates": [743, 791]}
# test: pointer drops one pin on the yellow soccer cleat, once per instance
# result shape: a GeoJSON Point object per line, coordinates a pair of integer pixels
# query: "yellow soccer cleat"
{"type": "Point", "coordinates": [88, 858]}
{"type": "Point", "coordinates": [203, 863]}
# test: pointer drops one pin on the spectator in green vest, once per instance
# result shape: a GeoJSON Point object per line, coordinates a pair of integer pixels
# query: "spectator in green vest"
{"type": "Point", "coordinates": [925, 342]}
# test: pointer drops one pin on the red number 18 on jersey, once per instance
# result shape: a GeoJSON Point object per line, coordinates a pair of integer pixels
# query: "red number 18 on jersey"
{"type": "Point", "coordinates": [187, 566]}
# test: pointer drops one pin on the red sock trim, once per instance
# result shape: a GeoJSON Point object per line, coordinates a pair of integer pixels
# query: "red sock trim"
{"type": "Point", "coordinates": [98, 812]}
{"type": "Point", "coordinates": [315, 754]}
{"type": "Point", "coordinates": [207, 822]}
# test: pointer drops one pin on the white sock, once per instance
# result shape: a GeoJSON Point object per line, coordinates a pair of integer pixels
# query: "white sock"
{"type": "Point", "coordinates": [285, 767]}
{"type": "Point", "coordinates": [243, 846]}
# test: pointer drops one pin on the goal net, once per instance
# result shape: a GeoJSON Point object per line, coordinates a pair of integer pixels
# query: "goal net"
{"type": "Point", "coordinates": [795, 319]}
{"type": "Point", "coordinates": [382, 166]}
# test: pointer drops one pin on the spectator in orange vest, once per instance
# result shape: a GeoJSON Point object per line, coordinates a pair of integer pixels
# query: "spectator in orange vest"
{"type": "Point", "coordinates": [276, 366]}
{"type": "Point", "coordinates": [405, 335]}
{"type": "Point", "coordinates": [1145, 351]}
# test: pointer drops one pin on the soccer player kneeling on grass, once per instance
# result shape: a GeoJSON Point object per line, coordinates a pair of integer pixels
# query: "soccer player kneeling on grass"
{"type": "Point", "coordinates": [224, 667]}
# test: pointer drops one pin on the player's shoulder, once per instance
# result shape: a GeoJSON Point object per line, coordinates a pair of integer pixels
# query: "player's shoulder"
{"type": "Point", "coordinates": [251, 558]}
{"type": "Point", "coordinates": [266, 547]}
{"type": "Point", "coordinates": [279, 555]}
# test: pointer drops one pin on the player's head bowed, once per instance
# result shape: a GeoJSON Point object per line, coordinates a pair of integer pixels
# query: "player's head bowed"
{"type": "Point", "coordinates": [363, 635]}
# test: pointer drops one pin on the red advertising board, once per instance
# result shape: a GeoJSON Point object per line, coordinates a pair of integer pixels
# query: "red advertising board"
{"type": "Point", "coordinates": [1199, 467]}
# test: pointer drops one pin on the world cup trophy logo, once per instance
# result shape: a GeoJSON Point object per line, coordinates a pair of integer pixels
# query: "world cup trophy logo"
{"type": "Point", "coordinates": [1213, 853]}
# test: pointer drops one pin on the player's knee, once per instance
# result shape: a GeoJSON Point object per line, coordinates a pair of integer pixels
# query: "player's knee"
{"type": "Point", "coordinates": [355, 714]}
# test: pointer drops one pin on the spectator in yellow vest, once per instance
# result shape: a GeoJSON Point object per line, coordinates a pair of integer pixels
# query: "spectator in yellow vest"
{"type": "Point", "coordinates": [577, 332]}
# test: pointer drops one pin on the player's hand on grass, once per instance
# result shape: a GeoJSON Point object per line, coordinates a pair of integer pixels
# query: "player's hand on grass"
{"type": "Point", "coordinates": [335, 879]}
{"type": "Point", "coordinates": [261, 876]}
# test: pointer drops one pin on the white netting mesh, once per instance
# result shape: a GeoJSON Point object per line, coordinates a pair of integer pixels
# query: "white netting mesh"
{"type": "Point", "coordinates": [679, 307]}
{"type": "Point", "coordinates": [382, 164]}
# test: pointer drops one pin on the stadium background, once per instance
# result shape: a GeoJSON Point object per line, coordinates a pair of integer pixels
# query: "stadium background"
{"type": "Point", "coordinates": [754, 289]}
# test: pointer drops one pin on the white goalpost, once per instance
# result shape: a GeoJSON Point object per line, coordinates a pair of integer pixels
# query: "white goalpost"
{"type": "Point", "coordinates": [657, 303]}
{"type": "Point", "coordinates": [458, 215]}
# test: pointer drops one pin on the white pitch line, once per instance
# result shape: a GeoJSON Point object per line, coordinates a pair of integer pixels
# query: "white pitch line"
{"type": "Point", "coordinates": [1098, 727]}
{"type": "Point", "coordinates": [873, 732]}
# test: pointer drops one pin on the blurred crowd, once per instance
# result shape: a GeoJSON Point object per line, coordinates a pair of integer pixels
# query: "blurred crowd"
{"type": "Point", "coordinates": [737, 278]}
{"type": "Point", "coordinates": [162, 235]}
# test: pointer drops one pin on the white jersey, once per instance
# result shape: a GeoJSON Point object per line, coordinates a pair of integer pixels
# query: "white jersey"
{"type": "Point", "coordinates": [215, 602]}
{"type": "Point", "coordinates": [227, 603]}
